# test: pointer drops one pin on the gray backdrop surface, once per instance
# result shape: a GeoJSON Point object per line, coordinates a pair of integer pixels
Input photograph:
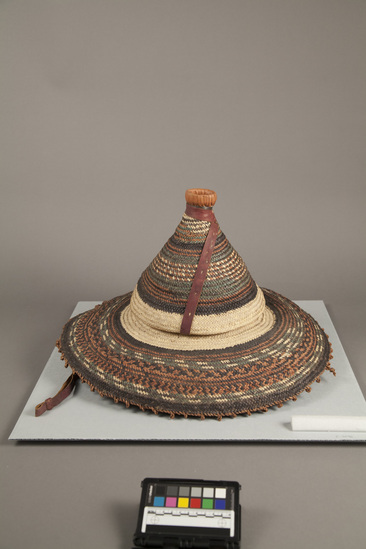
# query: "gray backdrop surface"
{"type": "Point", "coordinates": [109, 111]}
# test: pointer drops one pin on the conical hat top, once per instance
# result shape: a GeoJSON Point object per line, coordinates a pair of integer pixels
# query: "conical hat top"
{"type": "Point", "coordinates": [231, 306]}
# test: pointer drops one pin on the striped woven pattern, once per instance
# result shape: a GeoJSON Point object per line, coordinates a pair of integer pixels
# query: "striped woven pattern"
{"type": "Point", "coordinates": [165, 284]}
{"type": "Point", "coordinates": [249, 348]}
{"type": "Point", "coordinates": [230, 298]}
{"type": "Point", "coordinates": [242, 379]}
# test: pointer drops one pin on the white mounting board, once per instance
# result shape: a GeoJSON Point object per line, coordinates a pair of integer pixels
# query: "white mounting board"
{"type": "Point", "coordinates": [84, 415]}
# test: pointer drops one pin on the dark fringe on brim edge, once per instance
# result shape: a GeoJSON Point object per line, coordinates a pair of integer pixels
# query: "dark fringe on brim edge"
{"type": "Point", "coordinates": [219, 417]}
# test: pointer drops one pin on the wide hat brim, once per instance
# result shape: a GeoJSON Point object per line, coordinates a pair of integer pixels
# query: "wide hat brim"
{"type": "Point", "coordinates": [240, 379]}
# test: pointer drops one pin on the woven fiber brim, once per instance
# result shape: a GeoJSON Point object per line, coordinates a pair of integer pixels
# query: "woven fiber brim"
{"type": "Point", "coordinates": [241, 379]}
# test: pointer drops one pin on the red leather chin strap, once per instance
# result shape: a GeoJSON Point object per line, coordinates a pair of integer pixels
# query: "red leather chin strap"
{"type": "Point", "coordinates": [64, 392]}
{"type": "Point", "coordinates": [202, 267]}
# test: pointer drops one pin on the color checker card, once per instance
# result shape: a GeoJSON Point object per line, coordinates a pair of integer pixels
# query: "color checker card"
{"type": "Point", "coordinates": [188, 511]}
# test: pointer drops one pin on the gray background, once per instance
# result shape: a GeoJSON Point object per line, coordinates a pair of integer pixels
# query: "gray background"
{"type": "Point", "coordinates": [109, 111]}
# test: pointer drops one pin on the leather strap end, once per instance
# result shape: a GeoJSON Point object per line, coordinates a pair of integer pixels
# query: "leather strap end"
{"type": "Point", "coordinates": [63, 393]}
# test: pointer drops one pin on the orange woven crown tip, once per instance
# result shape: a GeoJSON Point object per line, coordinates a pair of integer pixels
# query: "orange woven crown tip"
{"type": "Point", "coordinates": [201, 197]}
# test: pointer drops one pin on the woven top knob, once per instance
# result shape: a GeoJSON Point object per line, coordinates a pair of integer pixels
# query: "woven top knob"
{"type": "Point", "coordinates": [201, 197]}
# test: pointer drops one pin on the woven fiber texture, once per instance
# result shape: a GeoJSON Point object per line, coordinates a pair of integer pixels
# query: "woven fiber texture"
{"type": "Point", "coordinates": [166, 283]}
{"type": "Point", "coordinates": [249, 348]}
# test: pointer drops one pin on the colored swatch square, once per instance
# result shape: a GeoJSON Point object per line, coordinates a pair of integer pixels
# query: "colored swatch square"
{"type": "Point", "coordinates": [183, 502]}
{"type": "Point", "coordinates": [172, 491]}
{"type": "Point", "coordinates": [196, 492]}
{"type": "Point", "coordinates": [195, 503]}
{"type": "Point", "coordinates": [220, 504]}
{"type": "Point", "coordinates": [160, 490]}
{"type": "Point", "coordinates": [171, 502]}
{"type": "Point", "coordinates": [208, 492]}
{"type": "Point", "coordinates": [158, 501]}
{"type": "Point", "coordinates": [184, 491]}
{"type": "Point", "coordinates": [207, 504]}
{"type": "Point", "coordinates": [220, 493]}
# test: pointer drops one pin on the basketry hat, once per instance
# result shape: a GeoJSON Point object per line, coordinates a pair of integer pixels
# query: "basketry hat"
{"type": "Point", "coordinates": [197, 336]}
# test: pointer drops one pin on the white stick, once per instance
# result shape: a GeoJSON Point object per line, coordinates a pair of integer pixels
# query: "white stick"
{"type": "Point", "coordinates": [329, 423]}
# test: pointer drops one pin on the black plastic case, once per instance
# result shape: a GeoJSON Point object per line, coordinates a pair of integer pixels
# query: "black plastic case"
{"type": "Point", "coordinates": [188, 513]}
